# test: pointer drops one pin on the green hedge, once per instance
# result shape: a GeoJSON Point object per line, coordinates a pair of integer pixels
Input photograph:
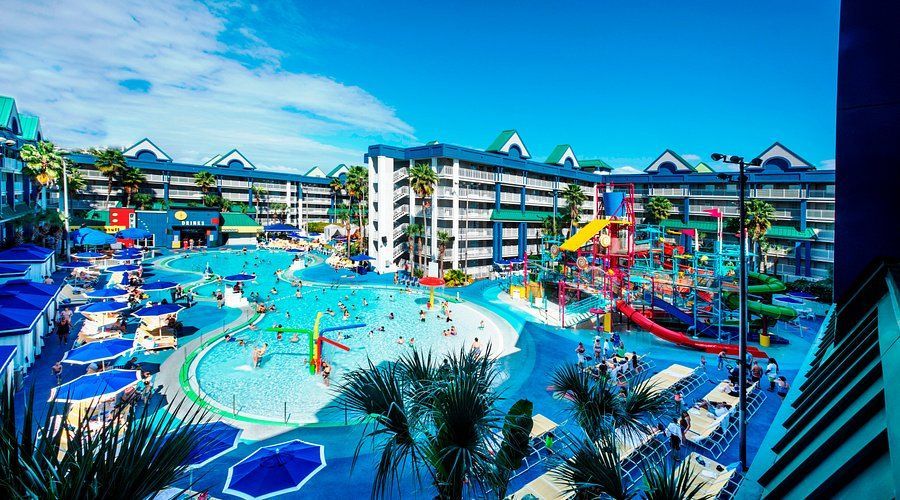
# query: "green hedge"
{"type": "Point", "coordinates": [316, 227]}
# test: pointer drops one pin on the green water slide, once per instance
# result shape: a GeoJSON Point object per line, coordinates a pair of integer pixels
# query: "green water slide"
{"type": "Point", "coordinates": [765, 284]}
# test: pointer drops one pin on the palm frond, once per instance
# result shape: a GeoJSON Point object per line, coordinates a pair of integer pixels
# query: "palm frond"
{"type": "Point", "coordinates": [663, 482]}
{"type": "Point", "coordinates": [594, 470]}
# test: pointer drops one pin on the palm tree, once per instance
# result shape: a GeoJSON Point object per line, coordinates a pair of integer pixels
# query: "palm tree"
{"type": "Point", "coordinates": [574, 197]}
{"type": "Point", "coordinates": [111, 163]}
{"type": "Point", "coordinates": [258, 193]}
{"type": "Point", "coordinates": [142, 200]}
{"type": "Point", "coordinates": [74, 180]}
{"type": "Point", "coordinates": [444, 238]}
{"type": "Point", "coordinates": [280, 210]}
{"type": "Point", "coordinates": [550, 225]}
{"type": "Point", "coordinates": [205, 181]}
{"type": "Point", "coordinates": [422, 179]}
{"type": "Point", "coordinates": [657, 209]}
{"type": "Point", "coordinates": [118, 456]}
{"type": "Point", "coordinates": [668, 483]}
{"type": "Point", "coordinates": [336, 187]}
{"type": "Point", "coordinates": [758, 223]}
{"type": "Point", "coordinates": [358, 186]}
{"type": "Point", "coordinates": [132, 180]}
{"type": "Point", "coordinates": [599, 408]}
{"type": "Point", "coordinates": [442, 422]}
{"type": "Point", "coordinates": [595, 470]}
{"type": "Point", "coordinates": [43, 163]}
{"type": "Point", "coordinates": [413, 232]}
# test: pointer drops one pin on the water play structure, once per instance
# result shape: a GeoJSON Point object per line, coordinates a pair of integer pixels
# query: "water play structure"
{"type": "Point", "coordinates": [680, 286]}
{"type": "Point", "coordinates": [317, 341]}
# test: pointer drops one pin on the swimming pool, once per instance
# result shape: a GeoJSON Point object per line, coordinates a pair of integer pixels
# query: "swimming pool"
{"type": "Point", "coordinates": [281, 388]}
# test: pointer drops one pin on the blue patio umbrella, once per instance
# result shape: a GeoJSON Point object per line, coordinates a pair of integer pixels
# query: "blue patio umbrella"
{"type": "Point", "coordinates": [89, 236]}
{"type": "Point", "coordinates": [99, 351]}
{"type": "Point", "coordinates": [214, 439]}
{"type": "Point", "coordinates": [240, 277]}
{"type": "Point", "coordinates": [361, 257]}
{"type": "Point", "coordinates": [129, 252]}
{"type": "Point", "coordinates": [108, 307]}
{"type": "Point", "coordinates": [275, 470]}
{"type": "Point", "coordinates": [88, 255]}
{"type": "Point", "coordinates": [156, 311]}
{"type": "Point", "coordinates": [123, 268]}
{"type": "Point", "coordinates": [106, 293]}
{"type": "Point", "coordinates": [134, 233]}
{"type": "Point", "coordinates": [95, 385]}
{"type": "Point", "coordinates": [158, 286]}
{"type": "Point", "coordinates": [280, 228]}
{"type": "Point", "coordinates": [75, 264]}
{"type": "Point", "coordinates": [125, 280]}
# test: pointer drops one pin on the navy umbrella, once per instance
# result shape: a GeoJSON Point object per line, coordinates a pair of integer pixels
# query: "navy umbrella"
{"type": "Point", "coordinates": [108, 307]}
{"type": "Point", "coordinates": [106, 293]}
{"type": "Point", "coordinates": [158, 286]}
{"type": "Point", "coordinates": [214, 439]}
{"type": "Point", "coordinates": [275, 470]}
{"type": "Point", "coordinates": [134, 233]}
{"type": "Point", "coordinates": [280, 228]}
{"type": "Point", "coordinates": [88, 236]}
{"type": "Point", "coordinates": [75, 264]}
{"type": "Point", "coordinates": [88, 255]}
{"type": "Point", "coordinates": [95, 385]}
{"type": "Point", "coordinates": [123, 268]}
{"type": "Point", "coordinates": [156, 311]}
{"type": "Point", "coordinates": [361, 257]}
{"type": "Point", "coordinates": [99, 351]}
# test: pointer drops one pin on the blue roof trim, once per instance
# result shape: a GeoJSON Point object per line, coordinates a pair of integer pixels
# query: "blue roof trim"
{"type": "Point", "coordinates": [149, 166]}
{"type": "Point", "coordinates": [7, 354]}
{"type": "Point", "coordinates": [501, 160]}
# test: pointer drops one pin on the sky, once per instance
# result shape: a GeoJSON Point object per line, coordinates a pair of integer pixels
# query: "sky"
{"type": "Point", "coordinates": [299, 83]}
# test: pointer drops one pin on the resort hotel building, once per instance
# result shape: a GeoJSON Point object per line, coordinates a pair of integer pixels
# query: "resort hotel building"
{"type": "Point", "coordinates": [493, 202]}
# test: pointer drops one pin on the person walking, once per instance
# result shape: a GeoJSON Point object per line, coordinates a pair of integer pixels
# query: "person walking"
{"type": "Point", "coordinates": [579, 352]}
{"type": "Point", "coordinates": [62, 331]}
{"type": "Point", "coordinates": [673, 430]}
{"type": "Point", "coordinates": [772, 373]}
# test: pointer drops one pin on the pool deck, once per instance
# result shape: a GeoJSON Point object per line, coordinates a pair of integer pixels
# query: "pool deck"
{"type": "Point", "coordinates": [539, 349]}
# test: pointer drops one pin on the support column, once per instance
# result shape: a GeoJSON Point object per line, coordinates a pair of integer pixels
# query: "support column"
{"type": "Point", "coordinates": [300, 205]}
{"type": "Point", "coordinates": [498, 241]}
{"type": "Point", "coordinates": [167, 179]}
{"type": "Point", "coordinates": [523, 226]}
{"type": "Point", "coordinates": [797, 255]}
{"type": "Point", "coordinates": [454, 250]}
{"type": "Point", "coordinates": [381, 241]}
{"type": "Point", "coordinates": [808, 250]}
{"type": "Point", "coordinates": [432, 229]}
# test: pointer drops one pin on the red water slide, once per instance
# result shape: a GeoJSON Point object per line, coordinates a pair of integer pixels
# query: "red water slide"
{"type": "Point", "coordinates": [680, 338]}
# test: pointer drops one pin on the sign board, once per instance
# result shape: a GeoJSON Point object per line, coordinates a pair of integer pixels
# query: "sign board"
{"type": "Point", "coordinates": [121, 217]}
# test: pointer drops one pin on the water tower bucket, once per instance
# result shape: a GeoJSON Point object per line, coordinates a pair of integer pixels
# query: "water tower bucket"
{"type": "Point", "coordinates": [613, 204]}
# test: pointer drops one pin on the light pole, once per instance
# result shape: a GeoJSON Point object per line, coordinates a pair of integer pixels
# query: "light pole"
{"type": "Point", "coordinates": [742, 295]}
{"type": "Point", "coordinates": [65, 203]}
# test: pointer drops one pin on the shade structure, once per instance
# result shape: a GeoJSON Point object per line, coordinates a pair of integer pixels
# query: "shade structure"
{"type": "Point", "coordinates": [128, 252]}
{"type": "Point", "coordinates": [123, 268]}
{"type": "Point", "coordinates": [360, 258]}
{"type": "Point", "coordinates": [75, 264]}
{"type": "Point", "coordinates": [99, 351]}
{"type": "Point", "coordinates": [214, 439]}
{"type": "Point", "coordinates": [88, 255]}
{"type": "Point", "coordinates": [158, 286]}
{"type": "Point", "coordinates": [106, 293]}
{"type": "Point", "coordinates": [156, 311]}
{"type": "Point", "coordinates": [89, 236]}
{"type": "Point", "coordinates": [431, 282]}
{"type": "Point", "coordinates": [95, 386]}
{"type": "Point", "coordinates": [240, 277]}
{"type": "Point", "coordinates": [134, 233]}
{"type": "Point", "coordinates": [106, 307]}
{"type": "Point", "coordinates": [280, 228]}
{"type": "Point", "coordinates": [275, 470]}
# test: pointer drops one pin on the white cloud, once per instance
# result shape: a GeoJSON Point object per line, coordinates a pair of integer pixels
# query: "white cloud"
{"type": "Point", "coordinates": [204, 96]}
{"type": "Point", "coordinates": [691, 157]}
{"type": "Point", "coordinates": [827, 164]}
{"type": "Point", "coordinates": [627, 169]}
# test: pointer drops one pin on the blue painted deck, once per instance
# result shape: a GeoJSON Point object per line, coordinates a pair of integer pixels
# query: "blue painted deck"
{"type": "Point", "coordinates": [542, 349]}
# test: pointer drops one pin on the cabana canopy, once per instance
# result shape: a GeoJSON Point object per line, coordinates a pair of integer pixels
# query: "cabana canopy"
{"type": "Point", "coordinates": [280, 228]}
{"type": "Point", "coordinates": [134, 233]}
{"type": "Point", "coordinates": [90, 236]}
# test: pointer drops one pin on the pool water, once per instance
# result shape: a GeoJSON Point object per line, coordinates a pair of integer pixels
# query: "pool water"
{"type": "Point", "coordinates": [281, 388]}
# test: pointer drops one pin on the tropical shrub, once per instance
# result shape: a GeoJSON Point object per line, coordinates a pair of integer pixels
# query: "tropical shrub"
{"type": "Point", "coordinates": [456, 277]}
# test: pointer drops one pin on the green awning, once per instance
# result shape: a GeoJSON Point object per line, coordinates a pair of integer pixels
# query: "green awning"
{"type": "Point", "coordinates": [709, 226]}
{"type": "Point", "coordinates": [239, 223]}
{"type": "Point", "coordinates": [518, 215]}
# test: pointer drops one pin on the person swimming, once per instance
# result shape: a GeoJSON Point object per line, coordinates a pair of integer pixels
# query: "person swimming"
{"type": "Point", "coordinates": [401, 340]}
{"type": "Point", "coordinates": [391, 315]}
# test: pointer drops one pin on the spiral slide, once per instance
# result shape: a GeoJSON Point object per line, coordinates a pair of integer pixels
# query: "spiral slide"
{"type": "Point", "coordinates": [767, 284]}
{"type": "Point", "coordinates": [680, 338]}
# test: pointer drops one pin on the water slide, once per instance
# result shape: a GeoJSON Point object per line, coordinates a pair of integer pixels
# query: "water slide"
{"type": "Point", "coordinates": [703, 329]}
{"type": "Point", "coordinates": [680, 338]}
{"type": "Point", "coordinates": [580, 238]}
{"type": "Point", "coordinates": [766, 285]}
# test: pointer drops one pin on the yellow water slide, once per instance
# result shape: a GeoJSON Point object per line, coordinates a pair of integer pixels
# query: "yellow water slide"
{"type": "Point", "coordinates": [580, 238]}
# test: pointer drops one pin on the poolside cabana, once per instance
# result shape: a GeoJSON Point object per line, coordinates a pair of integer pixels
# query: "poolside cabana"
{"type": "Point", "coordinates": [13, 272]}
{"type": "Point", "coordinates": [8, 366]}
{"type": "Point", "coordinates": [27, 310]}
{"type": "Point", "coordinates": [40, 261]}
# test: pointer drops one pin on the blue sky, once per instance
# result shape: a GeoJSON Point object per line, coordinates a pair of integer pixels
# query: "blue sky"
{"type": "Point", "coordinates": [294, 84]}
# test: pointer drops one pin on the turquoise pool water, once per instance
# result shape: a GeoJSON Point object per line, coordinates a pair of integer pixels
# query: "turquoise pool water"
{"type": "Point", "coordinates": [281, 388]}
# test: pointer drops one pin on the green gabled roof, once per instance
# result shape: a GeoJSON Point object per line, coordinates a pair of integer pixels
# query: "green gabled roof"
{"type": "Point", "coordinates": [336, 170]}
{"type": "Point", "coordinates": [315, 172]}
{"type": "Point", "coordinates": [703, 168]}
{"type": "Point", "coordinates": [557, 154]}
{"type": "Point", "coordinates": [238, 219]}
{"type": "Point", "coordinates": [7, 105]}
{"type": "Point", "coordinates": [30, 125]}
{"type": "Point", "coordinates": [596, 164]}
{"type": "Point", "coordinates": [677, 156]}
{"type": "Point", "coordinates": [500, 141]}
{"type": "Point", "coordinates": [709, 226]}
{"type": "Point", "coordinates": [518, 215]}
{"type": "Point", "coordinates": [212, 161]}
{"type": "Point", "coordinates": [431, 143]}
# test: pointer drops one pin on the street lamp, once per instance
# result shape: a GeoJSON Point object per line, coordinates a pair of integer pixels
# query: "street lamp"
{"type": "Point", "coordinates": [742, 295]}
